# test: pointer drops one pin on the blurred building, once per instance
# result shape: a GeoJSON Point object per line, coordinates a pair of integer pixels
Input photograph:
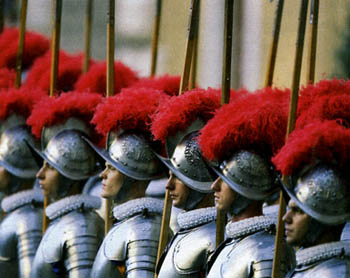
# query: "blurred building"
{"type": "Point", "coordinates": [253, 26]}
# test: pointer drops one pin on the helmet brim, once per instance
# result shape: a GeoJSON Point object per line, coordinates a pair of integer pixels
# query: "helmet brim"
{"type": "Point", "coordinates": [250, 194]}
{"type": "Point", "coordinates": [203, 187]}
{"type": "Point", "coordinates": [103, 153]}
{"type": "Point", "coordinates": [323, 218]}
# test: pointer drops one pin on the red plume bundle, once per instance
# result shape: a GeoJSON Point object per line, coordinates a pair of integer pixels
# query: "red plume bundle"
{"type": "Point", "coordinates": [256, 122]}
{"type": "Point", "coordinates": [35, 45]}
{"type": "Point", "coordinates": [312, 92]}
{"type": "Point", "coordinates": [69, 70]}
{"type": "Point", "coordinates": [330, 107]}
{"type": "Point", "coordinates": [7, 78]}
{"type": "Point", "coordinates": [55, 110]}
{"type": "Point", "coordinates": [95, 79]}
{"type": "Point", "coordinates": [170, 84]}
{"type": "Point", "coordinates": [129, 110]}
{"type": "Point", "coordinates": [319, 141]}
{"type": "Point", "coordinates": [20, 102]}
{"type": "Point", "coordinates": [180, 111]}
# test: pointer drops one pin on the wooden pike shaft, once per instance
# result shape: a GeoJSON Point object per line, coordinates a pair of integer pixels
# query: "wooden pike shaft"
{"type": "Point", "coordinates": [56, 34]}
{"type": "Point", "coordinates": [311, 65]}
{"type": "Point", "coordinates": [22, 31]}
{"type": "Point", "coordinates": [189, 45]}
{"type": "Point", "coordinates": [193, 73]}
{"type": "Point", "coordinates": [163, 238]}
{"type": "Point", "coordinates": [290, 127]}
{"type": "Point", "coordinates": [110, 84]}
{"type": "Point", "coordinates": [155, 37]}
{"type": "Point", "coordinates": [274, 45]}
{"type": "Point", "coordinates": [87, 47]}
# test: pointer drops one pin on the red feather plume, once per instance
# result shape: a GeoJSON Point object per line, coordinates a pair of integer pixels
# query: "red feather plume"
{"type": "Point", "coordinates": [330, 107]}
{"type": "Point", "coordinates": [95, 79]}
{"type": "Point", "coordinates": [35, 45]}
{"type": "Point", "coordinates": [19, 101]}
{"type": "Point", "coordinates": [312, 92]}
{"type": "Point", "coordinates": [7, 78]}
{"type": "Point", "coordinates": [69, 70]}
{"type": "Point", "coordinates": [55, 110]}
{"type": "Point", "coordinates": [319, 141]}
{"type": "Point", "coordinates": [129, 110]}
{"type": "Point", "coordinates": [170, 84]}
{"type": "Point", "coordinates": [181, 111]}
{"type": "Point", "coordinates": [256, 122]}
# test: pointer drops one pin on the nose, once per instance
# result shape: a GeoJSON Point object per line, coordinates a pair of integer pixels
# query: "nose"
{"type": "Point", "coordinates": [216, 186]}
{"type": "Point", "coordinates": [41, 173]}
{"type": "Point", "coordinates": [287, 216]}
{"type": "Point", "coordinates": [170, 183]}
{"type": "Point", "coordinates": [103, 174]}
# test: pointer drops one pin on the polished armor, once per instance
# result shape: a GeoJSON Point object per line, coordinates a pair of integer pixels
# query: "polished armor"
{"type": "Point", "coordinates": [191, 247]}
{"type": "Point", "coordinates": [133, 241]}
{"type": "Point", "coordinates": [70, 243]}
{"type": "Point", "coordinates": [20, 232]}
{"type": "Point", "coordinates": [248, 250]}
{"type": "Point", "coordinates": [322, 193]}
{"type": "Point", "coordinates": [15, 155]}
{"type": "Point", "coordinates": [345, 235]}
{"type": "Point", "coordinates": [323, 260]}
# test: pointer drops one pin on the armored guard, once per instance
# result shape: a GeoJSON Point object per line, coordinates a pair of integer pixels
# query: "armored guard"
{"type": "Point", "coordinates": [72, 239]}
{"type": "Point", "coordinates": [316, 160]}
{"type": "Point", "coordinates": [177, 123]}
{"type": "Point", "coordinates": [21, 228]}
{"type": "Point", "coordinates": [242, 137]}
{"type": "Point", "coordinates": [130, 247]}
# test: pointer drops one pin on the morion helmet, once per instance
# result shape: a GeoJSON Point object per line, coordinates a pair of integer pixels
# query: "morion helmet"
{"type": "Point", "coordinates": [242, 137]}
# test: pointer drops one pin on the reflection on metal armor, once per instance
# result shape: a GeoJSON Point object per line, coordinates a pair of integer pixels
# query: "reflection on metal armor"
{"type": "Point", "coordinates": [324, 260]}
{"type": "Point", "coordinates": [20, 233]}
{"type": "Point", "coordinates": [345, 235]}
{"type": "Point", "coordinates": [132, 242]}
{"type": "Point", "coordinates": [249, 253]}
{"type": "Point", "coordinates": [70, 244]}
{"type": "Point", "coordinates": [192, 246]}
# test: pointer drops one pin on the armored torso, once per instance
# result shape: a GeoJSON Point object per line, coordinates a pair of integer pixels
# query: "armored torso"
{"type": "Point", "coordinates": [248, 251]}
{"type": "Point", "coordinates": [132, 242]}
{"type": "Point", "coordinates": [324, 260]}
{"type": "Point", "coordinates": [192, 246]}
{"type": "Point", "coordinates": [70, 243]}
{"type": "Point", "coordinates": [20, 232]}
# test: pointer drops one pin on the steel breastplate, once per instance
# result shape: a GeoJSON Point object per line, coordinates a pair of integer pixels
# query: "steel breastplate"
{"type": "Point", "coordinates": [323, 260]}
{"type": "Point", "coordinates": [133, 241]}
{"type": "Point", "coordinates": [345, 235]}
{"type": "Point", "coordinates": [20, 235]}
{"type": "Point", "coordinates": [72, 238]}
{"type": "Point", "coordinates": [250, 252]}
{"type": "Point", "coordinates": [192, 245]}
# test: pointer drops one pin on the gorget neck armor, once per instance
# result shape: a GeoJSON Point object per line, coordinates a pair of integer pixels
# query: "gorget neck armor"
{"type": "Point", "coordinates": [22, 198]}
{"type": "Point", "coordinates": [197, 217]}
{"type": "Point", "coordinates": [322, 252]}
{"type": "Point", "coordinates": [72, 203]}
{"type": "Point", "coordinates": [250, 226]}
{"type": "Point", "coordinates": [137, 206]}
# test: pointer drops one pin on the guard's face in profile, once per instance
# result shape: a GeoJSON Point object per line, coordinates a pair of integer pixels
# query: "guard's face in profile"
{"type": "Point", "coordinates": [49, 179]}
{"type": "Point", "coordinates": [178, 191]}
{"type": "Point", "coordinates": [112, 181]}
{"type": "Point", "coordinates": [224, 195]}
{"type": "Point", "coordinates": [296, 224]}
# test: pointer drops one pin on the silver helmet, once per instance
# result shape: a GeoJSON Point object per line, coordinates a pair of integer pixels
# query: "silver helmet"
{"type": "Point", "coordinates": [15, 155]}
{"type": "Point", "coordinates": [322, 193]}
{"type": "Point", "coordinates": [12, 121]}
{"type": "Point", "coordinates": [132, 155]}
{"type": "Point", "coordinates": [70, 155]}
{"type": "Point", "coordinates": [248, 174]}
{"type": "Point", "coordinates": [189, 166]}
